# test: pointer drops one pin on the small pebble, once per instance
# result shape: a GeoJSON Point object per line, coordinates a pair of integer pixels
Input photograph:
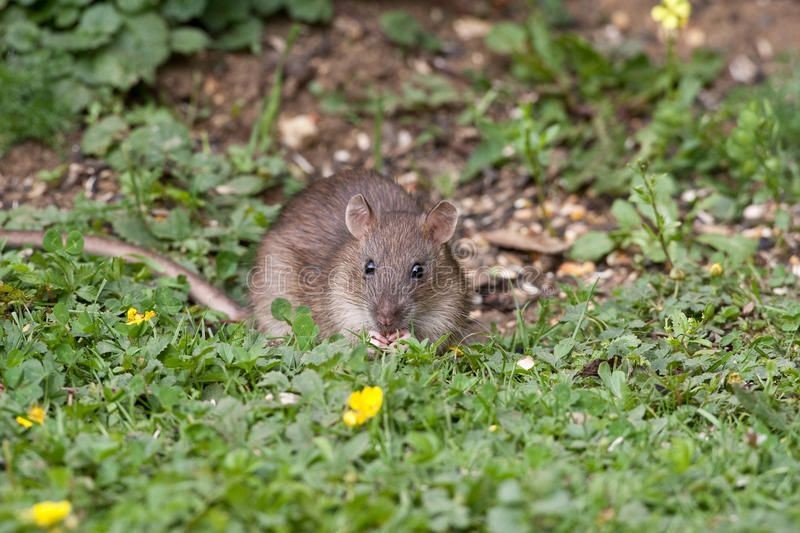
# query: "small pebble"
{"type": "Point", "coordinates": [404, 140]}
{"type": "Point", "coordinates": [742, 69]}
{"type": "Point", "coordinates": [689, 196]}
{"type": "Point", "coordinates": [755, 212]}
{"type": "Point", "coordinates": [695, 37]}
{"type": "Point", "coordinates": [362, 141]}
{"type": "Point", "coordinates": [764, 48]}
{"type": "Point", "coordinates": [471, 28]}
{"type": "Point", "coordinates": [522, 203]}
{"type": "Point", "coordinates": [574, 269]}
{"type": "Point", "coordinates": [298, 131]}
{"type": "Point", "coordinates": [576, 212]}
{"type": "Point", "coordinates": [524, 214]}
{"type": "Point", "coordinates": [526, 363]}
{"type": "Point", "coordinates": [621, 20]}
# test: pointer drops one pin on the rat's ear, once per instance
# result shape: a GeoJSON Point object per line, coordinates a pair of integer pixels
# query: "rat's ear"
{"type": "Point", "coordinates": [440, 223]}
{"type": "Point", "coordinates": [358, 216]}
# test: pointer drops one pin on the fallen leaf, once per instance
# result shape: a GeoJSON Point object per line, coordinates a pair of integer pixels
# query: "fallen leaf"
{"type": "Point", "coordinates": [541, 243]}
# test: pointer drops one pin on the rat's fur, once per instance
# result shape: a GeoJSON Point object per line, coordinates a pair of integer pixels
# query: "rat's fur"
{"type": "Point", "coordinates": [311, 258]}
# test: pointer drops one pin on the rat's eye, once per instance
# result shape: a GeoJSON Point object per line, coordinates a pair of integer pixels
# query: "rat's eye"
{"type": "Point", "coordinates": [369, 268]}
{"type": "Point", "coordinates": [417, 270]}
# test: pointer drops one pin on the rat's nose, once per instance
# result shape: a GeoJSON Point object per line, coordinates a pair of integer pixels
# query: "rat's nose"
{"type": "Point", "coordinates": [386, 316]}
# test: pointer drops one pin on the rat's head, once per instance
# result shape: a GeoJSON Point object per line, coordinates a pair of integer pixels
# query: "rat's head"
{"type": "Point", "coordinates": [399, 273]}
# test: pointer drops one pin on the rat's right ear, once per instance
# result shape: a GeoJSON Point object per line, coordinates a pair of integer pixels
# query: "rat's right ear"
{"type": "Point", "coordinates": [358, 217]}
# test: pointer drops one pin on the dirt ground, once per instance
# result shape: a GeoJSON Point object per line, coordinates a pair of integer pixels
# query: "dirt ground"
{"type": "Point", "coordinates": [353, 56]}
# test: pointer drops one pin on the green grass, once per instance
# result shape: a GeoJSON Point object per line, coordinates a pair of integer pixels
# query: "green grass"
{"type": "Point", "coordinates": [177, 422]}
{"type": "Point", "coordinates": [669, 404]}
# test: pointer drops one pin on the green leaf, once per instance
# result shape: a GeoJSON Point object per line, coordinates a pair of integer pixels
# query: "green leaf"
{"type": "Point", "coordinates": [488, 153]}
{"type": "Point", "coordinates": [614, 381]}
{"type": "Point", "coordinates": [134, 6]}
{"type": "Point", "coordinates": [140, 47]}
{"type": "Point", "coordinates": [132, 228]}
{"type": "Point", "coordinates": [563, 348]}
{"type": "Point", "coordinates": [738, 248]}
{"type": "Point", "coordinates": [506, 38]}
{"type": "Point", "coordinates": [246, 34]}
{"type": "Point", "coordinates": [757, 403]}
{"type": "Point", "coordinates": [61, 313]}
{"type": "Point", "coordinates": [74, 244]}
{"type": "Point", "coordinates": [52, 241]}
{"type": "Point", "coordinates": [101, 135]}
{"type": "Point", "coordinates": [100, 19]}
{"type": "Point", "coordinates": [188, 40]}
{"type": "Point", "coordinates": [22, 36]}
{"type": "Point", "coordinates": [404, 30]}
{"type": "Point", "coordinates": [592, 246]}
{"type": "Point", "coordinates": [281, 309]}
{"type": "Point", "coordinates": [226, 264]}
{"type": "Point", "coordinates": [183, 10]}
{"type": "Point", "coordinates": [310, 10]}
{"type": "Point", "coordinates": [626, 214]}
{"type": "Point", "coordinates": [268, 7]}
{"type": "Point", "coordinates": [176, 227]}
{"type": "Point", "coordinates": [304, 329]}
{"type": "Point", "coordinates": [308, 383]}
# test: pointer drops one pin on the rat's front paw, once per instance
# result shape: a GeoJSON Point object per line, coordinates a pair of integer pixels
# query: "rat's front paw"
{"type": "Point", "coordinates": [387, 343]}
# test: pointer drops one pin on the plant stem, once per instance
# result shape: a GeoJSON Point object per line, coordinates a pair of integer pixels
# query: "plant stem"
{"type": "Point", "coordinates": [651, 197]}
{"type": "Point", "coordinates": [260, 138]}
{"type": "Point", "coordinates": [534, 166]}
{"type": "Point", "coordinates": [377, 134]}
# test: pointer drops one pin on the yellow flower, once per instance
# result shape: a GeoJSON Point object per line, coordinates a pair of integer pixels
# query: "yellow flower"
{"type": "Point", "coordinates": [135, 317]}
{"type": "Point", "coordinates": [46, 514]}
{"type": "Point", "coordinates": [672, 14]}
{"type": "Point", "coordinates": [734, 378]}
{"type": "Point", "coordinates": [716, 270]}
{"type": "Point", "coordinates": [24, 422]}
{"type": "Point", "coordinates": [363, 405]}
{"type": "Point", "coordinates": [36, 414]}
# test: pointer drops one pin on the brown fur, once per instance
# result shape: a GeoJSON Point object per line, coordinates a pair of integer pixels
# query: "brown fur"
{"type": "Point", "coordinates": [311, 258]}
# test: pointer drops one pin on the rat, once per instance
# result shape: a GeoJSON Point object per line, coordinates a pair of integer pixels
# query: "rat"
{"type": "Point", "coordinates": [355, 248]}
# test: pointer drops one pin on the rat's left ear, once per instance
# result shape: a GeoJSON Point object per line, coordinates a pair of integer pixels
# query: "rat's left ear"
{"type": "Point", "coordinates": [440, 223]}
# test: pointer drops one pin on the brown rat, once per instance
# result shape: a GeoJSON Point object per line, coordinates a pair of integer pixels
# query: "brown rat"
{"type": "Point", "coordinates": [355, 248]}
{"type": "Point", "coordinates": [363, 256]}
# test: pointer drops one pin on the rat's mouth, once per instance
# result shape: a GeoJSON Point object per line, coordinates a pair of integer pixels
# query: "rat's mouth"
{"type": "Point", "coordinates": [386, 340]}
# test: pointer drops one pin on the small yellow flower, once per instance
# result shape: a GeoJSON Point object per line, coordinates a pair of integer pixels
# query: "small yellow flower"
{"type": "Point", "coordinates": [36, 414]}
{"type": "Point", "coordinates": [135, 317]}
{"type": "Point", "coordinates": [363, 405]}
{"type": "Point", "coordinates": [734, 378]}
{"type": "Point", "coordinates": [24, 422]}
{"type": "Point", "coordinates": [716, 270]}
{"type": "Point", "coordinates": [672, 14]}
{"type": "Point", "coordinates": [46, 514]}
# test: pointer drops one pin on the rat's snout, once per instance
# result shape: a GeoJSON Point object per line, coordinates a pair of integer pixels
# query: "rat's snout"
{"type": "Point", "coordinates": [388, 318]}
